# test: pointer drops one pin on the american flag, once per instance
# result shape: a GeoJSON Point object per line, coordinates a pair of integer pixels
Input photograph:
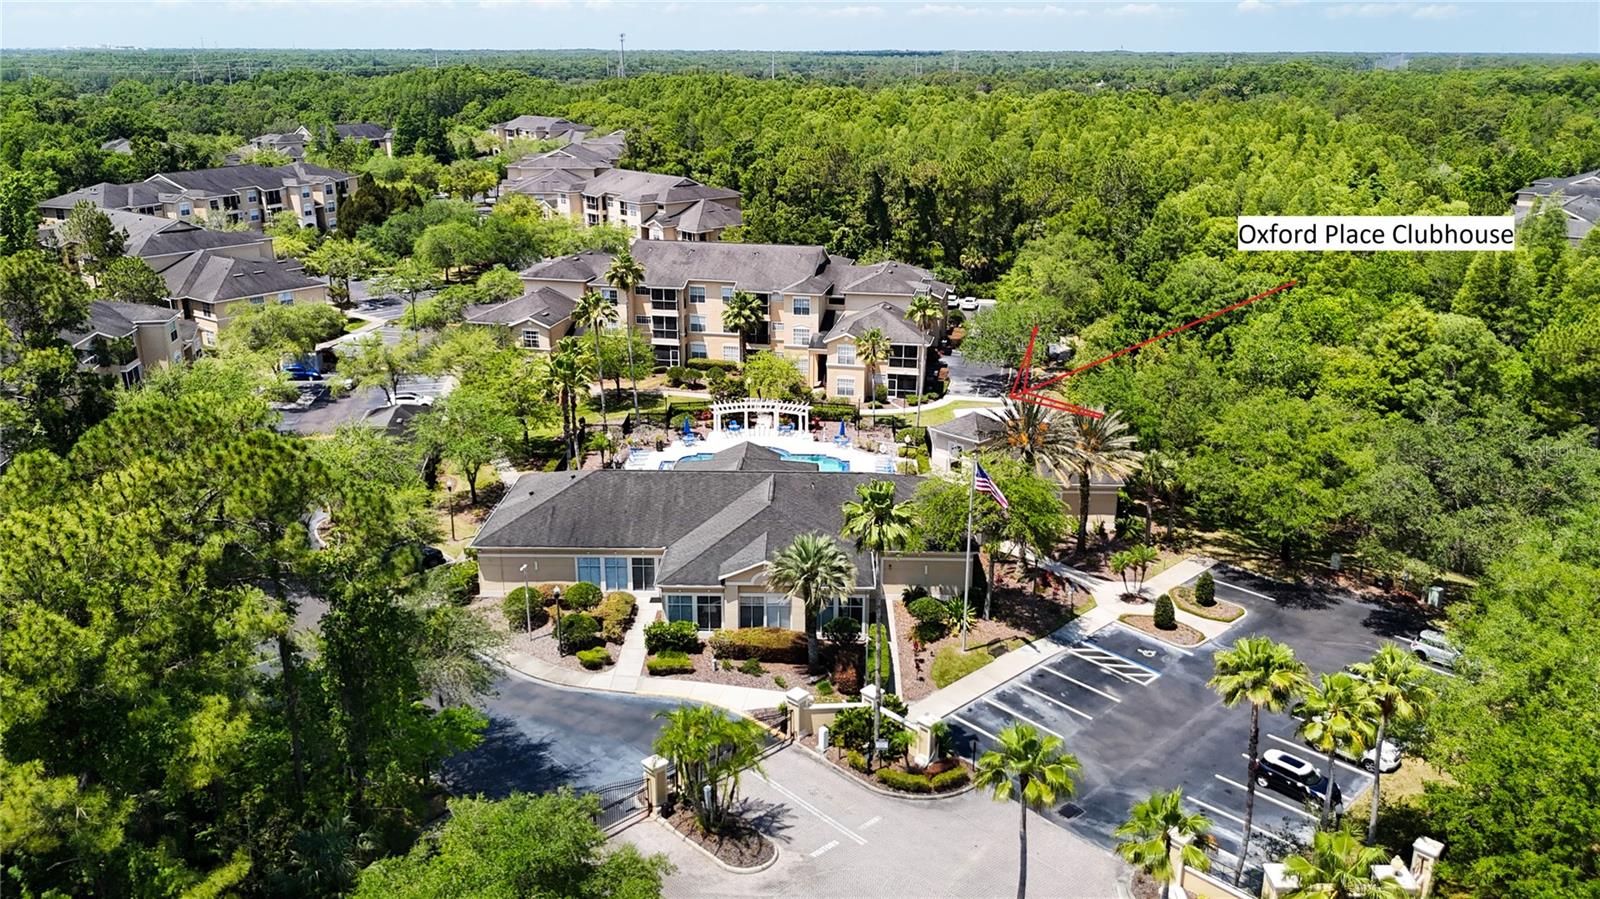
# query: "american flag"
{"type": "Point", "coordinates": [983, 484]}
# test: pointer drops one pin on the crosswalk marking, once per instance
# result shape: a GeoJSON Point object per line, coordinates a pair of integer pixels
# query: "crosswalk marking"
{"type": "Point", "coordinates": [1108, 661]}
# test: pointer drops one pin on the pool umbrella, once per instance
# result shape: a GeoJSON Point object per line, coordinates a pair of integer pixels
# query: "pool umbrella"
{"type": "Point", "coordinates": [686, 429]}
{"type": "Point", "coordinates": [841, 427]}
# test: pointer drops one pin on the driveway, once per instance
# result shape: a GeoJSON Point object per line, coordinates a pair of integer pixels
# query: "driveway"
{"type": "Point", "coordinates": [975, 378]}
{"type": "Point", "coordinates": [1139, 716]}
{"type": "Point", "coordinates": [542, 737]}
{"type": "Point", "coordinates": [836, 838]}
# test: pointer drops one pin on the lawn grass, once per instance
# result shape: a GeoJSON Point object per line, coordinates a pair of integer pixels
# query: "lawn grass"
{"type": "Point", "coordinates": [951, 665]}
{"type": "Point", "coordinates": [467, 521]}
{"type": "Point", "coordinates": [942, 414]}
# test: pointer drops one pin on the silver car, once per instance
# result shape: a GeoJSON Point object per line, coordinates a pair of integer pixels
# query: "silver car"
{"type": "Point", "coordinates": [1434, 647]}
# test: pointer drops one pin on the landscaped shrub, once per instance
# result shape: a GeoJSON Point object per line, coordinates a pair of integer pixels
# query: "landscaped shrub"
{"type": "Point", "coordinates": [578, 630]}
{"type": "Point", "coordinates": [824, 687]}
{"type": "Point", "coordinates": [905, 781]}
{"type": "Point", "coordinates": [878, 639]}
{"type": "Point", "coordinates": [766, 644]}
{"type": "Point", "coordinates": [927, 609]}
{"type": "Point", "coordinates": [779, 682]}
{"type": "Point", "coordinates": [707, 365]}
{"type": "Point", "coordinates": [912, 437]}
{"type": "Point", "coordinates": [852, 729]}
{"type": "Point", "coordinates": [1166, 617]}
{"type": "Point", "coordinates": [751, 667]}
{"type": "Point", "coordinates": [616, 613]}
{"type": "Point", "coordinates": [671, 636]}
{"type": "Point", "coordinates": [834, 411]}
{"type": "Point", "coordinates": [913, 593]}
{"type": "Point", "coordinates": [949, 780]}
{"type": "Point", "coordinates": [842, 631]}
{"type": "Point", "coordinates": [951, 665]}
{"type": "Point", "coordinates": [856, 760]}
{"type": "Point", "coordinates": [670, 662]}
{"type": "Point", "coordinates": [580, 597]}
{"type": "Point", "coordinates": [518, 611]}
{"type": "Point", "coordinates": [1205, 590]}
{"type": "Point", "coordinates": [594, 659]}
{"type": "Point", "coordinates": [846, 673]}
{"type": "Point", "coordinates": [459, 582]}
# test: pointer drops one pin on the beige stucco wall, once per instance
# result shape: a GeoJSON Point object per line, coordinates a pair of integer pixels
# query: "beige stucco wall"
{"type": "Point", "coordinates": [155, 344]}
{"type": "Point", "coordinates": [922, 569]}
{"type": "Point", "coordinates": [224, 311]}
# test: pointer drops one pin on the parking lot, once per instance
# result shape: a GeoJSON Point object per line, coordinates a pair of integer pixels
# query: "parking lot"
{"type": "Point", "coordinates": [1139, 716]}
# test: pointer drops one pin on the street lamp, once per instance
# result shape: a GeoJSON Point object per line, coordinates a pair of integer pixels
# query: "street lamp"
{"type": "Point", "coordinates": [556, 595]}
{"type": "Point", "coordinates": [527, 600]}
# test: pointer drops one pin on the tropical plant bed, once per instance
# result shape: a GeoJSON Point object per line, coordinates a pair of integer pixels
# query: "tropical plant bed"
{"type": "Point", "coordinates": [1220, 610]}
{"type": "Point", "coordinates": [737, 845]}
{"type": "Point", "coordinates": [902, 776]}
{"type": "Point", "coordinates": [1181, 635]}
{"type": "Point", "coordinates": [1021, 611]}
{"type": "Point", "coordinates": [541, 644]}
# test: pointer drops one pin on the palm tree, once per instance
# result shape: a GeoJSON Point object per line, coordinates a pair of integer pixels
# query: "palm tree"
{"type": "Point", "coordinates": [568, 374]}
{"type": "Point", "coordinates": [625, 273]}
{"type": "Point", "coordinates": [1339, 867]}
{"type": "Point", "coordinates": [879, 524]}
{"type": "Point", "coordinates": [1035, 770]}
{"type": "Point", "coordinates": [1034, 434]}
{"type": "Point", "coordinates": [1340, 714]}
{"type": "Point", "coordinates": [1148, 832]}
{"type": "Point", "coordinates": [872, 350]}
{"type": "Point", "coordinates": [1399, 685]}
{"type": "Point", "coordinates": [815, 570]}
{"type": "Point", "coordinates": [924, 312]}
{"type": "Point", "coordinates": [594, 312]}
{"type": "Point", "coordinates": [1098, 447]}
{"type": "Point", "coordinates": [742, 314]}
{"type": "Point", "coordinates": [1141, 557]}
{"type": "Point", "coordinates": [1265, 674]}
{"type": "Point", "coordinates": [707, 748]}
{"type": "Point", "coordinates": [1157, 478]}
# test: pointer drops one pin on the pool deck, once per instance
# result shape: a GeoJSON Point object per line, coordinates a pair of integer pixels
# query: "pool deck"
{"type": "Point", "coordinates": [793, 444]}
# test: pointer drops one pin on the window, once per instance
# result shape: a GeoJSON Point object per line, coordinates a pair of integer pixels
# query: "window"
{"type": "Point", "coordinates": [131, 377]}
{"type": "Point", "coordinates": [592, 219]}
{"type": "Point", "coordinates": [802, 305]}
{"type": "Point", "coordinates": [208, 338]}
{"type": "Point", "coordinates": [255, 215]}
{"type": "Point", "coordinates": [663, 298]}
{"type": "Point", "coordinates": [606, 572]}
{"type": "Point", "coordinates": [285, 297]}
{"type": "Point", "coordinates": [589, 570]}
{"type": "Point", "coordinates": [206, 309]}
{"type": "Point", "coordinates": [845, 354]}
{"type": "Point", "coordinates": [258, 301]}
{"type": "Point", "coordinates": [641, 319]}
{"type": "Point", "coordinates": [800, 337]}
{"type": "Point", "coordinates": [530, 339]}
{"type": "Point", "coordinates": [664, 327]}
{"type": "Point", "coordinates": [305, 192]}
{"type": "Point", "coordinates": [666, 355]}
{"type": "Point", "coordinates": [185, 209]}
{"type": "Point", "coordinates": [327, 190]}
{"type": "Point", "coordinates": [697, 351]}
{"type": "Point", "coordinates": [616, 573]}
{"type": "Point", "coordinates": [215, 205]}
{"type": "Point", "coordinates": [777, 327]}
{"type": "Point", "coordinates": [697, 323]}
{"type": "Point", "coordinates": [704, 610]}
{"type": "Point", "coordinates": [730, 353]}
{"type": "Point", "coordinates": [849, 607]}
{"type": "Point", "coordinates": [173, 334]}
{"type": "Point", "coordinates": [764, 611]}
{"type": "Point", "coordinates": [697, 295]}
{"type": "Point", "coordinates": [644, 573]}
{"type": "Point", "coordinates": [847, 386]}
{"type": "Point", "coordinates": [903, 355]}
{"type": "Point", "coordinates": [328, 206]}
{"type": "Point", "coordinates": [727, 294]}
{"type": "Point", "coordinates": [250, 196]}
{"type": "Point", "coordinates": [609, 293]}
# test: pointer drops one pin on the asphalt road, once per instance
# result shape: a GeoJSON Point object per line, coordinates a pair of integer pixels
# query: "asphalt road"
{"type": "Point", "coordinates": [542, 737]}
{"type": "Point", "coordinates": [1139, 716]}
{"type": "Point", "coordinates": [975, 378]}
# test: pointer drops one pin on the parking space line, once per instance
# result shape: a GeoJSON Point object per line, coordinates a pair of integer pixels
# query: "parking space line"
{"type": "Point", "coordinates": [872, 822]}
{"type": "Point", "coordinates": [823, 848]}
{"type": "Point", "coordinates": [1246, 590]}
{"type": "Point", "coordinates": [1256, 828]}
{"type": "Point", "coordinates": [1048, 698]}
{"type": "Point", "coordinates": [826, 819]}
{"type": "Point", "coordinates": [970, 726]}
{"type": "Point", "coordinates": [1320, 756]}
{"type": "Point", "coordinates": [1021, 717]}
{"type": "Point", "coordinates": [1080, 683]}
{"type": "Point", "coordinates": [1261, 795]}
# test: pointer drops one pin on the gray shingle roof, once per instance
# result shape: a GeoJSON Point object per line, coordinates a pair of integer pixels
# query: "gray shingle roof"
{"type": "Point", "coordinates": [745, 457]}
{"type": "Point", "coordinates": [113, 319]}
{"type": "Point", "coordinates": [710, 523]}
{"type": "Point", "coordinates": [231, 178]}
{"type": "Point", "coordinates": [887, 317]}
{"type": "Point", "coordinates": [589, 265]}
{"type": "Point", "coordinates": [210, 277]}
{"type": "Point", "coordinates": [700, 216]}
{"type": "Point", "coordinates": [153, 235]}
{"type": "Point", "coordinates": [361, 130]}
{"type": "Point", "coordinates": [1579, 200]}
{"type": "Point", "coordinates": [751, 266]}
{"type": "Point", "coordinates": [108, 196]}
{"type": "Point", "coordinates": [545, 306]}
{"type": "Point", "coordinates": [974, 426]}
{"type": "Point", "coordinates": [552, 124]}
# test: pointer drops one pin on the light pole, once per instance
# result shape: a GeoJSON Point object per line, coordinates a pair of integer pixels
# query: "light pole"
{"type": "Point", "coordinates": [450, 489]}
{"type": "Point", "coordinates": [556, 595]}
{"type": "Point", "coordinates": [527, 601]}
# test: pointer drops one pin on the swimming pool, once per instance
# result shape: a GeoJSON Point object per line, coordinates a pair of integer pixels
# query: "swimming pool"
{"type": "Point", "coordinates": [822, 461]}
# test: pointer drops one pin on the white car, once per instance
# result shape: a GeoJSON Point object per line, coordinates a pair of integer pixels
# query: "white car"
{"type": "Point", "coordinates": [411, 399]}
{"type": "Point", "coordinates": [1434, 647]}
{"type": "Point", "coordinates": [969, 304]}
{"type": "Point", "coordinates": [1390, 762]}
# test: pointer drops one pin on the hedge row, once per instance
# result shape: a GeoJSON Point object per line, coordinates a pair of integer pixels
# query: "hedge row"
{"type": "Point", "coordinates": [907, 782]}
{"type": "Point", "coordinates": [594, 659]}
{"type": "Point", "coordinates": [669, 663]}
{"type": "Point", "coordinates": [766, 644]}
{"type": "Point", "coordinates": [616, 613]}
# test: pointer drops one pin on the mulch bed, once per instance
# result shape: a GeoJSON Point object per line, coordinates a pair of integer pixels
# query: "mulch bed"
{"type": "Point", "coordinates": [837, 756]}
{"type": "Point", "coordinates": [739, 846]}
{"type": "Point", "coordinates": [1022, 609]}
{"type": "Point", "coordinates": [710, 671]}
{"type": "Point", "coordinates": [1145, 886]}
{"type": "Point", "coordinates": [1221, 610]}
{"type": "Point", "coordinates": [541, 644]}
{"type": "Point", "coordinates": [1182, 635]}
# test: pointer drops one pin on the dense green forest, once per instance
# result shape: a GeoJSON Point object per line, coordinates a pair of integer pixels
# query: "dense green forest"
{"type": "Point", "coordinates": [1433, 416]}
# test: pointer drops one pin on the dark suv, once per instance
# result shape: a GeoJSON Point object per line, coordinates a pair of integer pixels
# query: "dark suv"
{"type": "Point", "coordinates": [1293, 776]}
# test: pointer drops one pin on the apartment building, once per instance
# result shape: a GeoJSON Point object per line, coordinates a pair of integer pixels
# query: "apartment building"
{"type": "Point", "coordinates": [699, 537]}
{"type": "Point", "coordinates": [580, 181]}
{"type": "Point", "coordinates": [539, 127]}
{"type": "Point", "coordinates": [125, 340]}
{"type": "Point", "coordinates": [293, 143]}
{"type": "Point", "coordinates": [1578, 198]}
{"type": "Point", "coordinates": [227, 195]}
{"type": "Point", "coordinates": [817, 305]}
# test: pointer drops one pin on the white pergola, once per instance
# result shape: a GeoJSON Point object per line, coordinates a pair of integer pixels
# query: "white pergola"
{"type": "Point", "coordinates": [767, 414]}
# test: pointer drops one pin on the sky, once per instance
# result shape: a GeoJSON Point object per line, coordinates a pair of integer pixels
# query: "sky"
{"type": "Point", "coordinates": [1243, 26]}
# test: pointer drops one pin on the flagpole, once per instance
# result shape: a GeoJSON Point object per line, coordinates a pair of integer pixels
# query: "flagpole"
{"type": "Point", "coordinates": [966, 586]}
